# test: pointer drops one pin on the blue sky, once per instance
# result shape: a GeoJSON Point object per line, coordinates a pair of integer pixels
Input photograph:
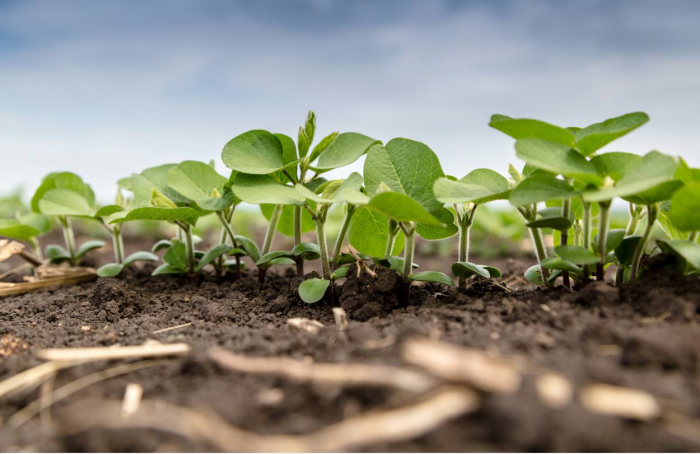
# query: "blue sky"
{"type": "Point", "coordinates": [109, 88]}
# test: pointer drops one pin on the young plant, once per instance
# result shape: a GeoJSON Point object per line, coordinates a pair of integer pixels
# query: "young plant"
{"type": "Point", "coordinates": [646, 181]}
{"type": "Point", "coordinates": [466, 195]}
{"type": "Point", "coordinates": [261, 153]}
{"type": "Point", "coordinates": [318, 203]}
{"type": "Point", "coordinates": [28, 228]}
{"type": "Point", "coordinates": [564, 151]}
{"type": "Point", "coordinates": [399, 178]}
{"type": "Point", "coordinates": [65, 195]}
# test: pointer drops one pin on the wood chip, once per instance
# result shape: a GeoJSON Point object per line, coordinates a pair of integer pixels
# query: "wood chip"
{"type": "Point", "coordinates": [6, 289]}
{"type": "Point", "coordinates": [554, 390]}
{"type": "Point", "coordinates": [32, 377]}
{"type": "Point", "coordinates": [8, 248]}
{"type": "Point", "coordinates": [184, 325]}
{"type": "Point", "coordinates": [132, 399]}
{"type": "Point", "coordinates": [100, 353]}
{"type": "Point", "coordinates": [338, 374]}
{"type": "Point", "coordinates": [618, 401]}
{"type": "Point", "coordinates": [403, 423]}
{"type": "Point", "coordinates": [459, 364]}
{"type": "Point", "coordinates": [304, 325]}
{"type": "Point", "coordinates": [341, 318]}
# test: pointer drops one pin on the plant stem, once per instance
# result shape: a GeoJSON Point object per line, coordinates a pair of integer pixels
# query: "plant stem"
{"type": "Point", "coordinates": [323, 246]}
{"type": "Point", "coordinates": [540, 252]}
{"type": "Point", "coordinates": [229, 231]}
{"type": "Point", "coordinates": [633, 222]}
{"type": "Point", "coordinates": [68, 237]}
{"type": "Point", "coordinates": [393, 230]}
{"type": "Point", "coordinates": [189, 244]}
{"type": "Point", "coordinates": [577, 233]}
{"type": "Point", "coordinates": [37, 248]}
{"type": "Point", "coordinates": [465, 225]}
{"type": "Point", "coordinates": [409, 249]}
{"type": "Point", "coordinates": [118, 244]}
{"type": "Point", "coordinates": [603, 227]}
{"type": "Point", "coordinates": [653, 212]}
{"type": "Point", "coordinates": [694, 236]}
{"type": "Point", "coordinates": [269, 236]}
{"type": "Point", "coordinates": [565, 208]}
{"type": "Point", "coordinates": [586, 243]}
{"type": "Point", "coordinates": [297, 239]}
{"type": "Point", "coordinates": [341, 234]}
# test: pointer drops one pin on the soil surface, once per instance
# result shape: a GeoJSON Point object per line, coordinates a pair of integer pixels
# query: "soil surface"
{"type": "Point", "coordinates": [643, 336]}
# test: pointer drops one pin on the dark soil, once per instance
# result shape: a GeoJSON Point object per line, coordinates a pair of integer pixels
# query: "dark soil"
{"type": "Point", "coordinates": [643, 336]}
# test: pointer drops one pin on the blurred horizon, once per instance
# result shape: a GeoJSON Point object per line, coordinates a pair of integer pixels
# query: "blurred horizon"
{"type": "Point", "coordinates": [105, 89]}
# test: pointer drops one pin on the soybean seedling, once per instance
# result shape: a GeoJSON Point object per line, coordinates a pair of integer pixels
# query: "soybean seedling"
{"type": "Point", "coordinates": [563, 151]}
{"type": "Point", "coordinates": [466, 195]}
{"type": "Point", "coordinates": [276, 156]}
{"type": "Point", "coordinates": [65, 195]}
{"type": "Point", "coordinates": [28, 228]}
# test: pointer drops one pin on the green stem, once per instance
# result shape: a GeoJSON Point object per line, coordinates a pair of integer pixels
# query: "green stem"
{"type": "Point", "coordinates": [323, 246]}
{"type": "Point", "coordinates": [694, 236]}
{"type": "Point", "coordinates": [271, 229]}
{"type": "Point", "coordinates": [68, 237]}
{"type": "Point", "coordinates": [603, 227]}
{"type": "Point", "coordinates": [652, 211]}
{"type": "Point", "coordinates": [229, 231]}
{"type": "Point", "coordinates": [587, 224]}
{"type": "Point", "coordinates": [465, 225]}
{"type": "Point", "coordinates": [297, 238]}
{"type": "Point", "coordinates": [393, 230]}
{"type": "Point", "coordinates": [565, 208]}
{"type": "Point", "coordinates": [408, 252]}
{"type": "Point", "coordinates": [577, 233]}
{"type": "Point", "coordinates": [37, 248]}
{"type": "Point", "coordinates": [118, 244]}
{"type": "Point", "coordinates": [540, 252]}
{"type": "Point", "coordinates": [633, 222]}
{"type": "Point", "coordinates": [341, 234]}
{"type": "Point", "coordinates": [190, 250]}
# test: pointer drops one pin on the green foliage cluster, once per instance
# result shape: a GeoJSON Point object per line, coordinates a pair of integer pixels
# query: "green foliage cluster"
{"type": "Point", "coordinates": [402, 193]}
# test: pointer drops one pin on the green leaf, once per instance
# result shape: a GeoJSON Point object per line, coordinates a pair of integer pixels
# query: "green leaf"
{"type": "Point", "coordinates": [143, 184]}
{"type": "Point", "coordinates": [493, 271]}
{"type": "Point", "coordinates": [556, 263]}
{"type": "Point", "coordinates": [615, 237]}
{"type": "Point", "coordinates": [686, 174]}
{"type": "Point", "coordinates": [186, 215]}
{"type": "Point", "coordinates": [272, 255]}
{"type": "Point", "coordinates": [347, 148]}
{"type": "Point", "coordinates": [401, 208]}
{"type": "Point", "coordinates": [468, 269]}
{"type": "Point", "coordinates": [140, 256]}
{"type": "Point", "coordinates": [249, 246]}
{"type": "Point", "coordinates": [62, 180]}
{"type": "Point", "coordinates": [36, 221]}
{"type": "Point", "coordinates": [540, 188]}
{"type": "Point", "coordinates": [255, 152]}
{"type": "Point", "coordinates": [596, 136]}
{"type": "Point", "coordinates": [286, 222]}
{"type": "Point", "coordinates": [307, 251]}
{"type": "Point", "coordinates": [196, 180]}
{"type": "Point", "coordinates": [64, 202]}
{"type": "Point", "coordinates": [479, 186]}
{"type": "Point", "coordinates": [168, 269]}
{"type": "Point", "coordinates": [257, 189]}
{"type": "Point", "coordinates": [56, 253]}
{"type": "Point", "coordinates": [407, 167]}
{"type": "Point", "coordinates": [87, 247]}
{"type": "Point", "coordinates": [625, 250]}
{"type": "Point", "coordinates": [339, 272]}
{"type": "Point", "coordinates": [394, 262]}
{"type": "Point", "coordinates": [644, 181]}
{"type": "Point", "coordinates": [13, 229]}
{"type": "Point", "coordinates": [577, 254]}
{"type": "Point", "coordinates": [431, 232]}
{"type": "Point", "coordinates": [176, 255]}
{"type": "Point", "coordinates": [557, 158]}
{"type": "Point", "coordinates": [368, 233]}
{"type": "Point", "coordinates": [613, 164]}
{"type": "Point", "coordinates": [525, 128]}
{"type": "Point", "coordinates": [431, 276]}
{"type": "Point", "coordinates": [669, 227]}
{"type": "Point", "coordinates": [313, 290]}
{"type": "Point", "coordinates": [110, 270]}
{"type": "Point", "coordinates": [162, 244]}
{"type": "Point", "coordinates": [685, 207]}
{"type": "Point", "coordinates": [108, 210]}
{"type": "Point", "coordinates": [687, 250]}
{"type": "Point", "coordinates": [213, 254]}
{"type": "Point", "coordinates": [322, 146]}
{"type": "Point", "coordinates": [556, 223]}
